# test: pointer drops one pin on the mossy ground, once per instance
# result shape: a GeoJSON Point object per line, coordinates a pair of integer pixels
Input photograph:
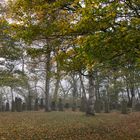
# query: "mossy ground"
{"type": "Point", "coordinates": [69, 126]}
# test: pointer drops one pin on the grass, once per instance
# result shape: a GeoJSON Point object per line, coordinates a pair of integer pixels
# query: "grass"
{"type": "Point", "coordinates": [69, 126]}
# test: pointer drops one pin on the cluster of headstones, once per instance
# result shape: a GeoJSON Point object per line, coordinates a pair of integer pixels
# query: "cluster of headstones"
{"type": "Point", "coordinates": [18, 105]}
{"type": "Point", "coordinates": [39, 104]}
{"type": "Point", "coordinates": [4, 107]}
{"type": "Point", "coordinates": [60, 106]}
{"type": "Point", "coordinates": [100, 106]}
{"type": "Point", "coordinates": [106, 107]}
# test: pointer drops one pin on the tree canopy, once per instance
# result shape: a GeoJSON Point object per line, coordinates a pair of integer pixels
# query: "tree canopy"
{"type": "Point", "coordinates": [86, 37]}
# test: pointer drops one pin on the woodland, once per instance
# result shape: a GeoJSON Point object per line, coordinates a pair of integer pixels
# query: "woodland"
{"type": "Point", "coordinates": [69, 69]}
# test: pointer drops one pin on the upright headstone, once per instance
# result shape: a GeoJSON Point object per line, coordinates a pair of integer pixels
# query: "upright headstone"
{"type": "Point", "coordinates": [124, 107]}
{"type": "Point", "coordinates": [3, 107]}
{"type": "Point", "coordinates": [74, 107]}
{"type": "Point", "coordinates": [98, 106]}
{"type": "Point", "coordinates": [60, 105]}
{"type": "Point", "coordinates": [41, 103]}
{"type": "Point", "coordinates": [18, 104]}
{"type": "Point", "coordinates": [67, 105]}
{"type": "Point", "coordinates": [24, 107]}
{"type": "Point", "coordinates": [134, 101]}
{"type": "Point", "coordinates": [7, 108]}
{"type": "Point", "coordinates": [53, 106]}
{"type": "Point", "coordinates": [36, 106]}
{"type": "Point", "coordinates": [106, 106]}
{"type": "Point", "coordinates": [137, 107]}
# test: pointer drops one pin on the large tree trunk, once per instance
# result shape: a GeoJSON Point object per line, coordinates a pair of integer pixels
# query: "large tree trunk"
{"type": "Point", "coordinates": [47, 81]}
{"type": "Point", "coordinates": [138, 92]}
{"type": "Point", "coordinates": [128, 95]}
{"type": "Point", "coordinates": [133, 97]}
{"type": "Point", "coordinates": [92, 97]}
{"type": "Point", "coordinates": [55, 95]}
{"type": "Point", "coordinates": [83, 87]}
{"type": "Point", "coordinates": [98, 102]}
{"type": "Point", "coordinates": [74, 93]}
{"type": "Point", "coordinates": [13, 102]}
{"type": "Point", "coordinates": [29, 99]}
{"type": "Point", "coordinates": [84, 98]}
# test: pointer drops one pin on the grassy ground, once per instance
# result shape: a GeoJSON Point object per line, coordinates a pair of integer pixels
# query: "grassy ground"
{"type": "Point", "coordinates": [69, 126]}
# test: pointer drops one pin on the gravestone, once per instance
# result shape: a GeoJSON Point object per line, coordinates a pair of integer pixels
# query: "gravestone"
{"type": "Point", "coordinates": [24, 106]}
{"type": "Point", "coordinates": [41, 103]}
{"type": "Point", "coordinates": [3, 108]}
{"type": "Point", "coordinates": [106, 106]}
{"type": "Point", "coordinates": [53, 106]}
{"type": "Point", "coordinates": [36, 106]}
{"type": "Point", "coordinates": [98, 106]}
{"type": "Point", "coordinates": [7, 108]}
{"type": "Point", "coordinates": [18, 104]}
{"type": "Point", "coordinates": [60, 105]}
{"type": "Point", "coordinates": [124, 109]}
{"type": "Point", "coordinates": [137, 106]}
{"type": "Point", "coordinates": [67, 105]}
{"type": "Point", "coordinates": [74, 107]}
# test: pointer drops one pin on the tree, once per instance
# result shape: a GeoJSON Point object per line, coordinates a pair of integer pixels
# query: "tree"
{"type": "Point", "coordinates": [41, 22]}
{"type": "Point", "coordinates": [111, 39]}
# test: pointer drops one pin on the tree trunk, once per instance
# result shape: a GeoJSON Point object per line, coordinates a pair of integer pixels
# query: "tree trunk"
{"type": "Point", "coordinates": [55, 96]}
{"type": "Point", "coordinates": [13, 102]}
{"type": "Point", "coordinates": [75, 93]}
{"type": "Point", "coordinates": [47, 82]}
{"type": "Point", "coordinates": [133, 97]}
{"type": "Point", "coordinates": [56, 89]}
{"type": "Point", "coordinates": [92, 97]}
{"type": "Point", "coordinates": [98, 103]}
{"type": "Point", "coordinates": [83, 88]}
{"type": "Point", "coordinates": [107, 99]}
{"type": "Point", "coordinates": [138, 92]}
{"type": "Point", "coordinates": [128, 95]}
{"type": "Point", "coordinates": [84, 98]}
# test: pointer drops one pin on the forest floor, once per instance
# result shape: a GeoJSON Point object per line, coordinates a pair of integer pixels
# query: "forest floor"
{"type": "Point", "coordinates": [69, 126]}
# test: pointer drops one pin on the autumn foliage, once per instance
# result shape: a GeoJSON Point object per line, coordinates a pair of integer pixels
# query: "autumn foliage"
{"type": "Point", "coordinates": [68, 126]}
